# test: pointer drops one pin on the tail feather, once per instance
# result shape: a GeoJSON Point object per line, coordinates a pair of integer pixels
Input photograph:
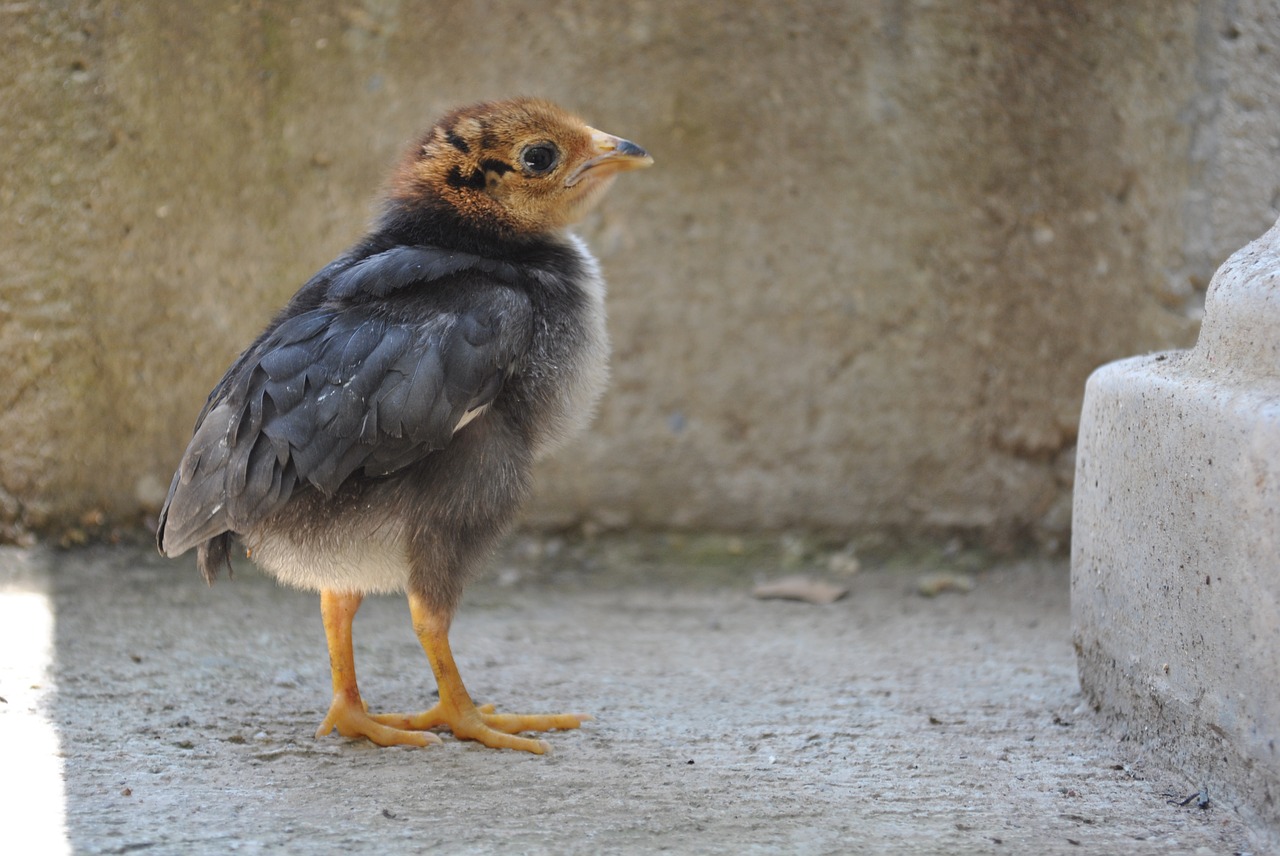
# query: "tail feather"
{"type": "Point", "coordinates": [195, 510]}
{"type": "Point", "coordinates": [214, 554]}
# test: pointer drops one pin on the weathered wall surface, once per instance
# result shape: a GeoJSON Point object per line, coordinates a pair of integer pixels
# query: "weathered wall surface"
{"type": "Point", "coordinates": [883, 246]}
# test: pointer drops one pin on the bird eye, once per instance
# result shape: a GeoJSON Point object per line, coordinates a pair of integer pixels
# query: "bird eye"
{"type": "Point", "coordinates": [539, 159]}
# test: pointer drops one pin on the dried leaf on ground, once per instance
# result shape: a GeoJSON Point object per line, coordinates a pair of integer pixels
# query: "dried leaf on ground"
{"type": "Point", "coordinates": [932, 585]}
{"type": "Point", "coordinates": [800, 588]}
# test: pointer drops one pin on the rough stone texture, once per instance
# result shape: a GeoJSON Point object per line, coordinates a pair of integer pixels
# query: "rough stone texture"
{"type": "Point", "coordinates": [1176, 548]}
{"type": "Point", "coordinates": [172, 718]}
{"type": "Point", "coordinates": [884, 245]}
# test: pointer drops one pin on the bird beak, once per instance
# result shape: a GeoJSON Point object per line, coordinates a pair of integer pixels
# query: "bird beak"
{"type": "Point", "coordinates": [610, 155]}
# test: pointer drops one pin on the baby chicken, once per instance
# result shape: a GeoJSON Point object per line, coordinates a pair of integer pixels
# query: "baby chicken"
{"type": "Point", "coordinates": [378, 435]}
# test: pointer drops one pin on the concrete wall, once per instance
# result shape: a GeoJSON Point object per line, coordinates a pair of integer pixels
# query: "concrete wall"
{"type": "Point", "coordinates": [883, 246]}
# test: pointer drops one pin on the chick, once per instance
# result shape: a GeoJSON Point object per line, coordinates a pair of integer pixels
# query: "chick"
{"type": "Point", "coordinates": [378, 435]}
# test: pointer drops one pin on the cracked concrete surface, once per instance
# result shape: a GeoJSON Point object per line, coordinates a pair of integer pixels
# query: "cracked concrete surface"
{"type": "Point", "coordinates": [178, 718]}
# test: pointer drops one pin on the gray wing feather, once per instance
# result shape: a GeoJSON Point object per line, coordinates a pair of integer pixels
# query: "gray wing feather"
{"type": "Point", "coordinates": [329, 393]}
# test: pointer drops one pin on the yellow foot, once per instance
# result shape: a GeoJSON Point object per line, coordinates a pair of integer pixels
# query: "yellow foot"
{"type": "Point", "coordinates": [351, 719]}
{"type": "Point", "coordinates": [495, 730]}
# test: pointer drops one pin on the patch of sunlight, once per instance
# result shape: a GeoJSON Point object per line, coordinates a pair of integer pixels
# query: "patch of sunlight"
{"type": "Point", "coordinates": [32, 801]}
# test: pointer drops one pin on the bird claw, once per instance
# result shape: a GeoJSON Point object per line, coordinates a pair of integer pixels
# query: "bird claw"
{"type": "Point", "coordinates": [483, 725]}
{"type": "Point", "coordinates": [351, 719]}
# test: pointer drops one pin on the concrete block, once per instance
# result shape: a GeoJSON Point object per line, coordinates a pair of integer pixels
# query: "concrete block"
{"type": "Point", "coordinates": [1176, 542]}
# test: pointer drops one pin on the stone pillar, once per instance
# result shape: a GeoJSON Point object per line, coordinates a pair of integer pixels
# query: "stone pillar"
{"type": "Point", "coordinates": [1175, 561]}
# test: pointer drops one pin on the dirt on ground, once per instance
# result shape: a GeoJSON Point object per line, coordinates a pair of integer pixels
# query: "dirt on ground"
{"type": "Point", "coordinates": [887, 721]}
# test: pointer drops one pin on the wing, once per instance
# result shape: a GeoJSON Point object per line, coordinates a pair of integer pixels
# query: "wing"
{"type": "Point", "coordinates": [333, 391]}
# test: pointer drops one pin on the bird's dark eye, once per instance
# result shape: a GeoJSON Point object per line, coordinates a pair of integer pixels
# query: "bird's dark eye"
{"type": "Point", "coordinates": [539, 159]}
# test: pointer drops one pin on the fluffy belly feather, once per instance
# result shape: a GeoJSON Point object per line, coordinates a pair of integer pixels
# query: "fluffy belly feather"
{"type": "Point", "coordinates": [373, 562]}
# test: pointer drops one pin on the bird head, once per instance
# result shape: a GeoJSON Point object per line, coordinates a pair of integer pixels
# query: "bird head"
{"type": "Point", "coordinates": [519, 168]}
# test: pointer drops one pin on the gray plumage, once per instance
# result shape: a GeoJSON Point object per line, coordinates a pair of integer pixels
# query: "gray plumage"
{"type": "Point", "coordinates": [371, 369]}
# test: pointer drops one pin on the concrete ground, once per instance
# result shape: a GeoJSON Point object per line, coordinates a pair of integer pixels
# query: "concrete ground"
{"type": "Point", "coordinates": [166, 717]}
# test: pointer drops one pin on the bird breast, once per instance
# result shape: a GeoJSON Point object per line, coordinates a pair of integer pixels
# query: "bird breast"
{"type": "Point", "coordinates": [568, 365]}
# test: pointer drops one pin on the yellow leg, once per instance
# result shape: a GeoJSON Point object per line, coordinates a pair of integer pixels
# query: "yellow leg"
{"type": "Point", "coordinates": [455, 710]}
{"type": "Point", "coordinates": [347, 711]}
